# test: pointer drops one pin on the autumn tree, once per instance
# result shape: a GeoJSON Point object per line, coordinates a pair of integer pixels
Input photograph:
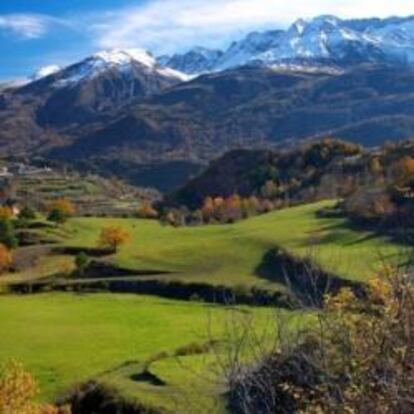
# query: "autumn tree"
{"type": "Point", "coordinates": [404, 171]}
{"type": "Point", "coordinates": [270, 189]}
{"type": "Point", "coordinates": [6, 258]}
{"type": "Point", "coordinates": [60, 210]}
{"type": "Point", "coordinates": [113, 236]}
{"type": "Point", "coordinates": [233, 208]}
{"type": "Point", "coordinates": [207, 210]}
{"type": "Point", "coordinates": [147, 211]}
{"type": "Point", "coordinates": [19, 391]}
{"type": "Point", "coordinates": [375, 167]}
{"type": "Point", "coordinates": [6, 213]}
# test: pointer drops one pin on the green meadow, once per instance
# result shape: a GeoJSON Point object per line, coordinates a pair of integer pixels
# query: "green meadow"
{"type": "Point", "coordinates": [68, 338]}
{"type": "Point", "coordinates": [230, 254]}
{"type": "Point", "coordinates": [65, 339]}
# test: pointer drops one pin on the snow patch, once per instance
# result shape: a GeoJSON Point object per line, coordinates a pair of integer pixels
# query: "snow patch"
{"type": "Point", "coordinates": [46, 71]}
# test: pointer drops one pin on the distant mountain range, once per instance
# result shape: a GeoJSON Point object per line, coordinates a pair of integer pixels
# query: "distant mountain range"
{"type": "Point", "coordinates": [156, 121]}
{"type": "Point", "coordinates": [325, 41]}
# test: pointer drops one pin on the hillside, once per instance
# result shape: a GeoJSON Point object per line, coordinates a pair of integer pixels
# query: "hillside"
{"type": "Point", "coordinates": [92, 194]}
{"type": "Point", "coordinates": [218, 255]}
{"type": "Point", "coordinates": [173, 133]}
{"type": "Point", "coordinates": [317, 170]}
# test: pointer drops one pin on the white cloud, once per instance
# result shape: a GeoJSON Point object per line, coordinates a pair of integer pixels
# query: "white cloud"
{"type": "Point", "coordinates": [30, 26]}
{"type": "Point", "coordinates": [167, 25]}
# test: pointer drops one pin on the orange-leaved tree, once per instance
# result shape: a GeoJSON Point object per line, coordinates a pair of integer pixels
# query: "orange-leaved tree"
{"type": "Point", "coordinates": [6, 213]}
{"type": "Point", "coordinates": [147, 211]}
{"type": "Point", "coordinates": [64, 205]}
{"type": "Point", "coordinates": [404, 170]}
{"type": "Point", "coordinates": [113, 236]}
{"type": "Point", "coordinates": [6, 258]}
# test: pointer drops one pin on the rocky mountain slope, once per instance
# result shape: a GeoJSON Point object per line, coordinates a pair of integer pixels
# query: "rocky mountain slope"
{"type": "Point", "coordinates": [44, 112]}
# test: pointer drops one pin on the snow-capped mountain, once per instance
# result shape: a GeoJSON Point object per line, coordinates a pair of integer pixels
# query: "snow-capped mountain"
{"type": "Point", "coordinates": [325, 41]}
{"type": "Point", "coordinates": [320, 44]}
{"type": "Point", "coordinates": [196, 61]}
{"type": "Point", "coordinates": [105, 81]}
{"type": "Point", "coordinates": [241, 53]}
{"type": "Point", "coordinates": [125, 62]}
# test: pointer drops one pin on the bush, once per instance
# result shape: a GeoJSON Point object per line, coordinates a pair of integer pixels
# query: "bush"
{"type": "Point", "coordinates": [7, 234]}
{"type": "Point", "coordinates": [358, 358]}
{"type": "Point", "coordinates": [57, 216]}
{"type": "Point", "coordinates": [27, 213]}
{"type": "Point", "coordinates": [60, 210]}
{"type": "Point", "coordinates": [18, 393]}
{"type": "Point", "coordinates": [82, 262]}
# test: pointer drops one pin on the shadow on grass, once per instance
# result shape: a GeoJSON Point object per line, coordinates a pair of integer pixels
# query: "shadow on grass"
{"type": "Point", "coordinates": [149, 378]}
{"type": "Point", "coordinates": [308, 282]}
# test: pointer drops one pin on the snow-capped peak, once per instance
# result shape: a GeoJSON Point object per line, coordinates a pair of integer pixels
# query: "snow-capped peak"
{"type": "Point", "coordinates": [125, 56]}
{"type": "Point", "coordinates": [324, 41]}
{"type": "Point", "coordinates": [128, 62]}
{"type": "Point", "coordinates": [46, 71]}
{"type": "Point", "coordinates": [299, 26]}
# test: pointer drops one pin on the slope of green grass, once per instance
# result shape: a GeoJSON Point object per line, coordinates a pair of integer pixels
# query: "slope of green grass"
{"type": "Point", "coordinates": [229, 254]}
{"type": "Point", "coordinates": [66, 339]}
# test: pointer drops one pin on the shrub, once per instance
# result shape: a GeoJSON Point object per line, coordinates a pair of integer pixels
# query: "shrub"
{"type": "Point", "coordinates": [27, 213]}
{"type": "Point", "coordinates": [6, 258]}
{"type": "Point", "coordinates": [18, 393]}
{"type": "Point", "coordinates": [7, 234]}
{"type": "Point", "coordinates": [60, 210]}
{"type": "Point", "coordinates": [57, 216]}
{"type": "Point", "coordinates": [358, 358]}
{"type": "Point", "coordinates": [82, 262]}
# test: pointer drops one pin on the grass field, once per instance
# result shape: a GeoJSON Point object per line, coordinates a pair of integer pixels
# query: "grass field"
{"type": "Point", "coordinates": [229, 254]}
{"type": "Point", "coordinates": [66, 338]}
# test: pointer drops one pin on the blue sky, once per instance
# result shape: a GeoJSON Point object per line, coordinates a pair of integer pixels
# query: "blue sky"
{"type": "Point", "coordinates": [37, 33]}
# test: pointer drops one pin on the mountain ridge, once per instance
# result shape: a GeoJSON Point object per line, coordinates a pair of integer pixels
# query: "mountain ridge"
{"type": "Point", "coordinates": [324, 38]}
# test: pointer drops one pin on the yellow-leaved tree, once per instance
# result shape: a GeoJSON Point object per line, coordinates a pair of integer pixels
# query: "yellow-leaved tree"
{"type": "Point", "coordinates": [113, 236]}
{"type": "Point", "coordinates": [18, 393]}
